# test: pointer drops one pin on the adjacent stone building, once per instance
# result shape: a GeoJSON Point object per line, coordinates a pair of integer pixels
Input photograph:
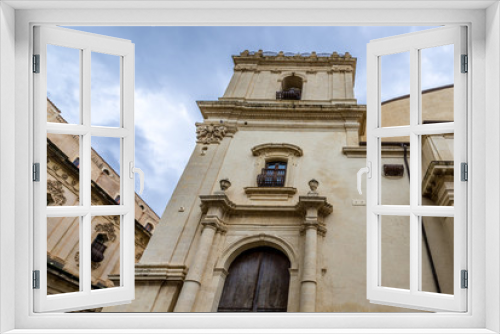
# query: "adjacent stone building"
{"type": "Point", "coordinates": [266, 216]}
{"type": "Point", "coordinates": [63, 233]}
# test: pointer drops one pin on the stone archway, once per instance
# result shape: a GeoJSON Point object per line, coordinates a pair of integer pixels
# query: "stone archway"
{"type": "Point", "coordinates": [258, 281]}
{"type": "Point", "coordinates": [231, 253]}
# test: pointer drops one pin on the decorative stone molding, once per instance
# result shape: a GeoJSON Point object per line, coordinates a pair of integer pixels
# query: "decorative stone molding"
{"type": "Point", "coordinates": [213, 133]}
{"type": "Point", "coordinates": [227, 207]}
{"type": "Point", "coordinates": [267, 111]}
{"type": "Point", "coordinates": [270, 193]}
{"type": "Point", "coordinates": [245, 67]}
{"type": "Point", "coordinates": [210, 133]}
{"type": "Point", "coordinates": [215, 223]}
{"type": "Point", "coordinates": [56, 191]}
{"type": "Point", "coordinates": [437, 184]}
{"type": "Point", "coordinates": [387, 152]}
{"type": "Point", "coordinates": [156, 272]}
{"type": "Point", "coordinates": [271, 148]}
{"type": "Point", "coordinates": [108, 229]}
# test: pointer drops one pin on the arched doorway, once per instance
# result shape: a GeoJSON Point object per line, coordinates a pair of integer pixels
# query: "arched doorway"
{"type": "Point", "coordinates": [258, 281]}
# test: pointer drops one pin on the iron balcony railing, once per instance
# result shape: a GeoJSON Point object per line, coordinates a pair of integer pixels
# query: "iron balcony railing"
{"type": "Point", "coordinates": [289, 94]}
{"type": "Point", "coordinates": [271, 177]}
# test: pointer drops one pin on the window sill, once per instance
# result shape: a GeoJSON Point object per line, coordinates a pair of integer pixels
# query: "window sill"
{"type": "Point", "coordinates": [270, 193]}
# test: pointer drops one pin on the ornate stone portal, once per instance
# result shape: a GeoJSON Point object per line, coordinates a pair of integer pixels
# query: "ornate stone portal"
{"type": "Point", "coordinates": [218, 210]}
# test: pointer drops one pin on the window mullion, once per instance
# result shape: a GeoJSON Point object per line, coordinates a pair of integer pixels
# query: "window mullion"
{"type": "Point", "coordinates": [414, 163]}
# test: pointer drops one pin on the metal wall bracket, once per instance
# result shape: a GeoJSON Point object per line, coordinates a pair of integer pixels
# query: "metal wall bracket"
{"type": "Point", "coordinates": [36, 172]}
{"type": "Point", "coordinates": [36, 279]}
{"type": "Point", "coordinates": [464, 172]}
{"type": "Point", "coordinates": [36, 63]}
{"type": "Point", "coordinates": [464, 279]}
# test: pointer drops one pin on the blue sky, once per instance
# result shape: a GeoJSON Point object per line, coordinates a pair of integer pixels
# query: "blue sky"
{"type": "Point", "coordinates": [177, 66]}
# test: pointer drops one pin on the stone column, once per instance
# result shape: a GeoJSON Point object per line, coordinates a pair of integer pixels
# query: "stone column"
{"type": "Point", "coordinates": [192, 282]}
{"type": "Point", "coordinates": [315, 208]}
{"type": "Point", "coordinates": [308, 282]}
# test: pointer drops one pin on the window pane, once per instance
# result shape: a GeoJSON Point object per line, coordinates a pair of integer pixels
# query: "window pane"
{"type": "Point", "coordinates": [105, 176]}
{"type": "Point", "coordinates": [63, 174]}
{"type": "Point", "coordinates": [394, 179]}
{"type": "Point", "coordinates": [105, 90]}
{"type": "Point", "coordinates": [437, 254]}
{"type": "Point", "coordinates": [63, 255]}
{"type": "Point", "coordinates": [437, 78]}
{"type": "Point", "coordinates": [437, 170]}
{"type": "Point", "coordinates": [395, 251]}
{"type": "Point", "coordinates": [63, 85]}
{"type": "Point", "coordinates": [105, 251]}
{"type": "Point", "coordinates": [395, 89]}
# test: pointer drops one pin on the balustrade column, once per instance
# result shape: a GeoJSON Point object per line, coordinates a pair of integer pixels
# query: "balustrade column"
{"type": "Point", "coordinates": [192, 282]}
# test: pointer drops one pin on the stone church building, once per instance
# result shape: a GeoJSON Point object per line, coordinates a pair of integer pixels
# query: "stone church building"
{"type": "Point", "coordinates": [266, 216]}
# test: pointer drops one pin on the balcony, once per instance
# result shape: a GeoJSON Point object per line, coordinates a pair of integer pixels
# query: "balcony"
{"type": "Point", "coordinates": [271, 177]}
{"type": "Point", "coordinates": [288, 94]}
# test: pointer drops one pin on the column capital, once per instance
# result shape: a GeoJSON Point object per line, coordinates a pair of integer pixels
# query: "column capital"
{"type": "Point", "coordinates": [214, 222]}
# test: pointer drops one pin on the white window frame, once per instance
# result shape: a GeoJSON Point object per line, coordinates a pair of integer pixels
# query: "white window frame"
{"type": "Point", "coordinates": [86, 44]}
{"type": "Point", "coordinates": [484, 212]}
{"type": "Point", "coordinates": [413, 43]}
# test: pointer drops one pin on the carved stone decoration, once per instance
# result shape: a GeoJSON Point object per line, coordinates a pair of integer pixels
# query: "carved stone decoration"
{"type": "Point", "coordinates": [93, 265]}
{"type": "Point", "coordinates": [210, 133]}
{"type": "Point", "coordinates": [109, 229]}
{"type": "Point", "coordinates": [56, 191]}
{"type": "Point", "coordinates": [313, 185]}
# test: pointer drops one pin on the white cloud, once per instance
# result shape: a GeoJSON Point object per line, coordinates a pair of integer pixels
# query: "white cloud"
{"type": "Point", "coordinates": [165, 138]}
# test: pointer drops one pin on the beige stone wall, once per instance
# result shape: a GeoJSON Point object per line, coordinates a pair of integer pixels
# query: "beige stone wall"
{"type": "Point", "coordinates": [327, 78]}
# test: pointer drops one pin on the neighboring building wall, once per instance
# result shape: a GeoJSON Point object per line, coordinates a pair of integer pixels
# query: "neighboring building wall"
{"type": "Point", "coordinates": [63, 233]}
{"type": "Point", "coordinates": [322, 232]}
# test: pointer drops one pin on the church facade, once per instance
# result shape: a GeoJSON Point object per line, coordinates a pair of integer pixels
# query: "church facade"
{"type": "Point", "coordinates": [266, 216]}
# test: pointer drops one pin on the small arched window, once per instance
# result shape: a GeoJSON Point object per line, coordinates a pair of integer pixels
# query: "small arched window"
{"type": "Point", "coordinates": [273, 175]}
{"type": "Point", "coordinates": [98, 248]}
{"type": "Point", "coordinates": [76, 162]}
{"type": "Point", "coordinates": [291, 88]}
{"type": "Point", "coordinates": [149, 227]}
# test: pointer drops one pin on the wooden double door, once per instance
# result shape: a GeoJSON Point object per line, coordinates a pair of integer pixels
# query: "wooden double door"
{"type": "Point", "coordinates": [258, 281]}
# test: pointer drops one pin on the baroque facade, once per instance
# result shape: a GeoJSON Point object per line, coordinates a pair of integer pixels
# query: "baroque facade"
{"type": "Point", "coordinates": [63, 233]}
{"type": "Point", "coordinates": [266, 216]}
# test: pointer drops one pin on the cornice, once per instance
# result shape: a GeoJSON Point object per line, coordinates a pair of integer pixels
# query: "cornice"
{"type": "Point", "coordinates": [221, 200]}
{"type": "Point", "coordinates": [273, 147]}
{"type": "Point", "coordinates": [245, 110]}
{"type": "Point", "coordinates": [437, 183]}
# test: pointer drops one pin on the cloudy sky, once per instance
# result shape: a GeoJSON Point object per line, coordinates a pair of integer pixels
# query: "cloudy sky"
{"type": "Point", "coordinates": [177, 66]}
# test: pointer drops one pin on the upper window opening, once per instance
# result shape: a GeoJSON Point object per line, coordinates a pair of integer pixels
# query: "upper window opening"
{"type": "Point", "coordinates": [291, 88]}
{"type": "Point", "coordinates": [273, 175]}
{"type": "Point", "coordinates": [98, 248]}
{"type": "Point", "coordinates": [149, 227]}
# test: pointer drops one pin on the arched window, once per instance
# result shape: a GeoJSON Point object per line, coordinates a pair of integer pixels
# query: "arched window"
{"type": "Point", "coordinates": [258, 281]}
{"type": "Point", "coordinates": [76, 162]}
{"type": "Point", "coordinates": [291, 88]}
{"type": "Point", "coordinates": [98, 248]}
{"type": "Point", "coordinates": [273, 175]}
{"type": "Point", "coordinates": [149, 227]}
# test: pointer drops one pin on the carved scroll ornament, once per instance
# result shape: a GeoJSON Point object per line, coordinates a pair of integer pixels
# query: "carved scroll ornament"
{"type": "Point", "coordinates": [56, 191]}
{"type": "Point", "coordinates": [210, 133]}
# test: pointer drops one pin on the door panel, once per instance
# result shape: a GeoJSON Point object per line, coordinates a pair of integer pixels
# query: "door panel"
{"type": "Point", "coordinates": [258, 281]}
